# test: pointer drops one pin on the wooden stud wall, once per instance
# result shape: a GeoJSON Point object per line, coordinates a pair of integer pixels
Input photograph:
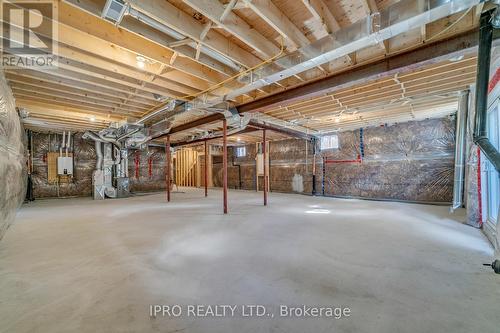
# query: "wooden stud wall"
{"type": "Point", "coordinates": [186, 165]}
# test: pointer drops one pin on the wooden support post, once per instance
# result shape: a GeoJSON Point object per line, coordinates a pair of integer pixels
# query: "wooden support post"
{"type": "Point", "coordinates": [224, 162]}
{"type": "Point", "coordinates": [167, 151]}
{"type": "Point", "coordinates": [205, 171]}
{"type": "Point", "coordinates": [264, 152]}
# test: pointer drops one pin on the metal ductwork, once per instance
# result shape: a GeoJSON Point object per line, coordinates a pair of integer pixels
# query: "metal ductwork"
{"type": "Point", "coordinates": [482, 82]}
{"type": "Point", "coordinates": [114, 10]}
{"type": "Point", "coordinates": [397, 19]}
{"type": "Point", "coordinates": [110, 177]}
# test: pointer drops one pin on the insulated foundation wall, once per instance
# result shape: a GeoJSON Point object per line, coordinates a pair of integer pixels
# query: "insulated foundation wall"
{"type": "Point", "coordinates": [83, 166]}
{"type": "Point", "coordinates": [411, 161]}
{"type": "Point", "coordinates": [290, 163]}
{"type": "Point", "coordinates": [12, 158]}
{"type": "Point", "coordinates": [146, 169]}
{"type": "Point", "coordinates": [146, 175]}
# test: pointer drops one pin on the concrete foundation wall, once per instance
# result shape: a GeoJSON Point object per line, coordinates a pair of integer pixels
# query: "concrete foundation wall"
{"type": "Point", "coordinates": [84, 164]}
{"type": "Point", "coordinates": [12, 158]}
{"type": "Point", "coordinates": [411, 161]}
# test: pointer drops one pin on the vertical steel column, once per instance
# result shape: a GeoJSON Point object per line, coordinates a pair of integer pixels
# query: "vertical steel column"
{"type": "Point", "coordinates": [206, 169]}
{"type": "Point", "coordinates": [264, 152]}
{"type": "Point", "coordinates": [167, 151]}
{"type": "Point", "coordinates": [224, 163]}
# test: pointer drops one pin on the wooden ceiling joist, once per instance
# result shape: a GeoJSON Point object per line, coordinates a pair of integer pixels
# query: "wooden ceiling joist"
{"type": "Point", "coordinates": [100, 72]}
{"type": "Point", "coordinates": [233, 24]}
{"type": "Point", "coordinates": [44, 92]}
{"type": "Point", "coordinates": [75, 83]}
{"type": "Point", "coordinates": [168, 14]}
{"type": "Point", "coordinates": [15, 79]}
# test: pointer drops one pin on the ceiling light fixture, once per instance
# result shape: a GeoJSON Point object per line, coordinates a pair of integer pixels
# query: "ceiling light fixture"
{"type": "Point", "coordinates": [92, 118]}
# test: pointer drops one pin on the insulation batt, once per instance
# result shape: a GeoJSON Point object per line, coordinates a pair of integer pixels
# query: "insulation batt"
{"type": "Point", "coordinates": [13, 175]}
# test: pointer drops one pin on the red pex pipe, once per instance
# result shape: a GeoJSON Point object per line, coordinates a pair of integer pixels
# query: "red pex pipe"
{"type": "Point", "coordinates": [137, 161]}
{"type": "Point", "coordinates": [494, 80]}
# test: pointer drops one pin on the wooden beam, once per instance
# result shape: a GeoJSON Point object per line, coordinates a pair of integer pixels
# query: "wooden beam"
{"type": "Point", "coordinates": [372, 7]}
{"type": "Point", "coordinates": [106, 47]}
{"type": "Point", "coordinates": [92, 80]}
{"type": "Point", "coordinates": [14, 77]}
{"type": "Point", "coordinates": [320, 12]}
{"type": "Point", "coordinates": [99, 28]}
{"type": "Point", "coordinates": [150, 34]}
{"type": "Point", "coordinates": [72, 103]}
{"type": "Point", "coordinates": [62, 80]}
{"type": "Point", "coordinates": [171, 16]}
{"type": "Point", "coordinates": [56, 111]}
{"type": "Point", "coordinates": [426, 55]}
{"type": "Point", "coordinates": [266, 10]}
{"type": "Point", "coordinates": [233, 24]}
{"type": "Point", "coordinates": [43, 91]}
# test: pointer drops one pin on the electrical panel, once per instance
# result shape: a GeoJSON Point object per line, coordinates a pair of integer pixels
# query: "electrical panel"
{"type": "Point", "coordinates": [64, 165]}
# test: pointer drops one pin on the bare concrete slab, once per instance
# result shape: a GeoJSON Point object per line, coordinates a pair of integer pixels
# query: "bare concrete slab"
{"type": "Point", "coordinates": [79, 265]}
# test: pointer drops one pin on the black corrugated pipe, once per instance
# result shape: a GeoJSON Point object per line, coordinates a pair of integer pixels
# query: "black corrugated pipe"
{"type": "Point", "coordinates": [482, 82]}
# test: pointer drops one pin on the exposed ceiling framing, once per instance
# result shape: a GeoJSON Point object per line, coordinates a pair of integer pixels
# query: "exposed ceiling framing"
{"type": "Point", "coordinates": [191, 46]}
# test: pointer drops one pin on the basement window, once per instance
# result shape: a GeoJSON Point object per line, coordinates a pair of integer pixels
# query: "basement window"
{"type": "Point", "coordinates": [241, 151]}
{"type": "Point", "coordinates": [329, 142]}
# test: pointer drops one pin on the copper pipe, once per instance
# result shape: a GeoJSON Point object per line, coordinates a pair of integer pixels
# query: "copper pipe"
{"type": "Point", "coordinates": [167, 150]}
{"type": "Point", "coordinates": [206, 169]}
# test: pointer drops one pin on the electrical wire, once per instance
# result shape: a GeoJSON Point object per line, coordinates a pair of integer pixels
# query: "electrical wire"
{"type": "Point", "coordinates": [451, 25]}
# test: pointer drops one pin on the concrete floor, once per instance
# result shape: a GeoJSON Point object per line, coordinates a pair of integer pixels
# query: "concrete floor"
{"type": "Point", "coordinates": [77, 265]}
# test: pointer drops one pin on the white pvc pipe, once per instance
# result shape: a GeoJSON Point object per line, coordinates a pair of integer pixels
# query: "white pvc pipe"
{"type": "Point", "coordinates": [63, 143]}
{"type": "Point", "coordinates": [69, 139]}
